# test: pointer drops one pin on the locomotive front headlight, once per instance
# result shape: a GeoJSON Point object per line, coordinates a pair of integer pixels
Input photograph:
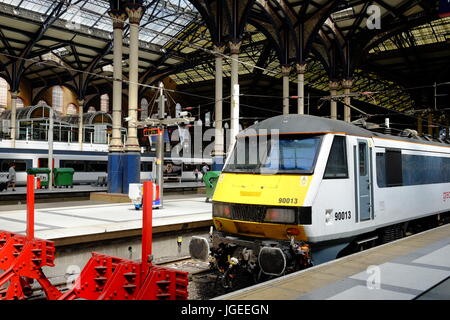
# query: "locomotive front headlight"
{"type": "Point", "coordinates": [221, 210]}
{"type": "Point", "coordinates": [280, 215]}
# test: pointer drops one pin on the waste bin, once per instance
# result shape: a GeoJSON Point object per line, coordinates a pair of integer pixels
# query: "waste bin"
{"type": "Point", "coordinates": [63, 177]}
{"type": "Point", "coordinates": [210, 179]}
{"type": "Point", "coordinates": [43, 174]}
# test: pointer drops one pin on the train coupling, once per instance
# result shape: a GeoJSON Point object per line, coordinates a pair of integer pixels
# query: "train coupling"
{"type": "Point", "coordinates": [272, 258]}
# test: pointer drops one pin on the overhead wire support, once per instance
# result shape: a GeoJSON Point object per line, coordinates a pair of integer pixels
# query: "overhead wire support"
{"type": "Point", "coordinates": [161, 123]}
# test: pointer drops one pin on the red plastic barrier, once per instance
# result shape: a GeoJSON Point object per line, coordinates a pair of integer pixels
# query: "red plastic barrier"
{"type": "Point", "coordinates": [110, 278]}
{"type": "Point", "coordinates": [22, 258]}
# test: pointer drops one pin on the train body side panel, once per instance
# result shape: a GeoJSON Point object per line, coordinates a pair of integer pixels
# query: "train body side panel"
{"type": "Point", "coordinates": [402, 203]}
{"type": "Point", "coordinates": [334, 198]}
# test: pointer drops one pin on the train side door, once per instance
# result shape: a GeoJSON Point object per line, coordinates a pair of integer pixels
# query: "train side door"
{"type": "Point", "coordinates": [363, 180]}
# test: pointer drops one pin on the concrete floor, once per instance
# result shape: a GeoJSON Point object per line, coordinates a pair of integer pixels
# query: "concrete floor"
{"type": "Point", "coordinates": [55, 221]}
{"type": "Point", "coordinates": [63, 203]}
{"type": "Point", "coordinates": [401, 270]}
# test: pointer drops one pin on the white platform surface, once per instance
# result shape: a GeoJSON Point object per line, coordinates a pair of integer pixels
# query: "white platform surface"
{"type": "Point", "coordinates": [56, 223]}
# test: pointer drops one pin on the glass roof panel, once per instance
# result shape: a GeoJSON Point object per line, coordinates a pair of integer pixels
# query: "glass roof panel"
{"type": "Point", "coordinates": [159, 25]}
{"type": "Point", "coordinates": [434, 32]}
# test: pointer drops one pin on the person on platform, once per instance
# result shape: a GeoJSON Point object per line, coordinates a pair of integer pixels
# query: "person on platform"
{"type": "Point", "coordinates": [205, 169]}
{"type": "Point", "coordinates": [196, 172]}
{"type": "Point", "coordinates": [12, 176]}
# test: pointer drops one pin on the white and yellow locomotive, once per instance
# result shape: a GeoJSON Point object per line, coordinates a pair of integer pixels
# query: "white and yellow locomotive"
{"type": "Point", "coordinates": [299, 190]}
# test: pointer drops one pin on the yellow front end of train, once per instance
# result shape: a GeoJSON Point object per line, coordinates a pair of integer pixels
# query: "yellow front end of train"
{"type": "Point", "coordinates": [260, 207]}
{"type": "Point", "coordinates": [270, 205]}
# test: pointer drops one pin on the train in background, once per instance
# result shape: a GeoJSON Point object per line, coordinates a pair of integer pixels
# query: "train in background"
{"type": "Point", "coordinates": [90, 164]}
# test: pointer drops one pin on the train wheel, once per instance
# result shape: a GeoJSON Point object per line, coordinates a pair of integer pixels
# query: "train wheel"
{"type": "Point", "coordinates": [392, 233]}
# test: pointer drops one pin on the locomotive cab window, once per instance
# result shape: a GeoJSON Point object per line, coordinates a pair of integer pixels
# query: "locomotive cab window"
{"type": "Point", "coordinates": [292, 153]}
{"type": "Point", "coordinates": [337, 161]}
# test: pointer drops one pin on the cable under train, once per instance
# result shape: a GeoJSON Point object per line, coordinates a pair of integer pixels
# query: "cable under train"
{"type": "Point", "coordinates": [318, 189]}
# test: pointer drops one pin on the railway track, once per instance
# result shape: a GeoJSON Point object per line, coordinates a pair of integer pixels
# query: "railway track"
{"type": "Point", "coordinates": [203, 282]}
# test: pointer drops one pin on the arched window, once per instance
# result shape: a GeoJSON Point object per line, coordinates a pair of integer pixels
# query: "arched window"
{"type": "Point", "coordinates": [71, 109]}
{"type": "Point", "coordinates": [144, 108]}
{"type": "Point", "coordinates": [57, 98]}
{"type": "Point", "coordinates": [91, 110]}
{"type": "Point", "coordinates": [42, 103]}
{"type": "Point", "coordinates": [104, 102]}
{"type": "Point", "coordinates": [4, 87]}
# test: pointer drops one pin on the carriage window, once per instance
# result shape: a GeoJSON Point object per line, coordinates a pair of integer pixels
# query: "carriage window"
{"type": "Point", "coordinates": [97, 166]}
{"type": "Point", "coordinates": [85, 166]}
{"type": "Point", "coordinates": [337, 161]}
{"type": "Point", "coordinates": [146, 166]}
{"type": "Point", "coordinates": [77, 165]}
{"type": "Point", "coordinates": [362, 159]}
{"type": "Point", "coordinates": [21, 165]}
{"type": "Point", "coordinates": [394, 168]}
{"type": "Point", "coordinates": [381, 170]}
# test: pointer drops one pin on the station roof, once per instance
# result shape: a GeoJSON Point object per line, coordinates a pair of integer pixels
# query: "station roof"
{"type": "Point", "coordinates": [55, 40]}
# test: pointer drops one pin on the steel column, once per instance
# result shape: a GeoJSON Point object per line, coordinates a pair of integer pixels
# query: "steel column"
{"type": "Point", "coordinates": [13, 126]}
{"type": "Point", "coordinates": [301, 69]}
{"type": "Point", "coordinates": [132, 161]}
{"type": "Point", "coordinates": [285, 70]}
{"type": "Point", "coordinates": [160, 145]}
{"type": "Point", "coordinates": [115, 157]}
{"type": "Point", "coordinates": [347, 85]}
{"type": "Point", "coordinates": [50, 148]}
{"type": "Point", "coordinates": [218, 156]}
{"type": "Point", "coordinates": [420, 125]}
{"type": "Point", "coordinates": [430, 124]}
{"type": "Point", "coordinates": [234, 114]}
{"type": "Point", "coordinates": [132, 143]}
{"type": "Point", "coordinates": [80, 124]}
{"type": "Point", "coordinates": [334, 86]}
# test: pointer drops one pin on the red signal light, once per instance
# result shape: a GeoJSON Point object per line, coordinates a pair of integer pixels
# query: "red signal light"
{"type": "Point", "coordinates": [227, 212]}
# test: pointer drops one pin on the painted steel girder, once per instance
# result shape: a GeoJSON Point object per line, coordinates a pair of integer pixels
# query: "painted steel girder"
{"type": "Point", "coordinates": [22, 260]}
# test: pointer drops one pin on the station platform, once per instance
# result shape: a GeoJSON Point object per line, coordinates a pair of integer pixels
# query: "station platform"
{"type": "Point", "coordinates": [415, 267]}
{"type": "Point", "coordinates": [97, 222]}
{"type": "Point", "coordinates": [85, 191]}
{"type": "Point", "coordinates": [179, 188]}
{"type": "Point", "coordinates": [76, 188]}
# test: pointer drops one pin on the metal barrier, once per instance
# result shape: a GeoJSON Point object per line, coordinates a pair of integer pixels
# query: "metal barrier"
{"type": "Point", "coordinates": [110, 278]}
{"type": "Point", "coordinates": [103, 278]}
{"type": "Point", "coordinates": [22, 258]}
